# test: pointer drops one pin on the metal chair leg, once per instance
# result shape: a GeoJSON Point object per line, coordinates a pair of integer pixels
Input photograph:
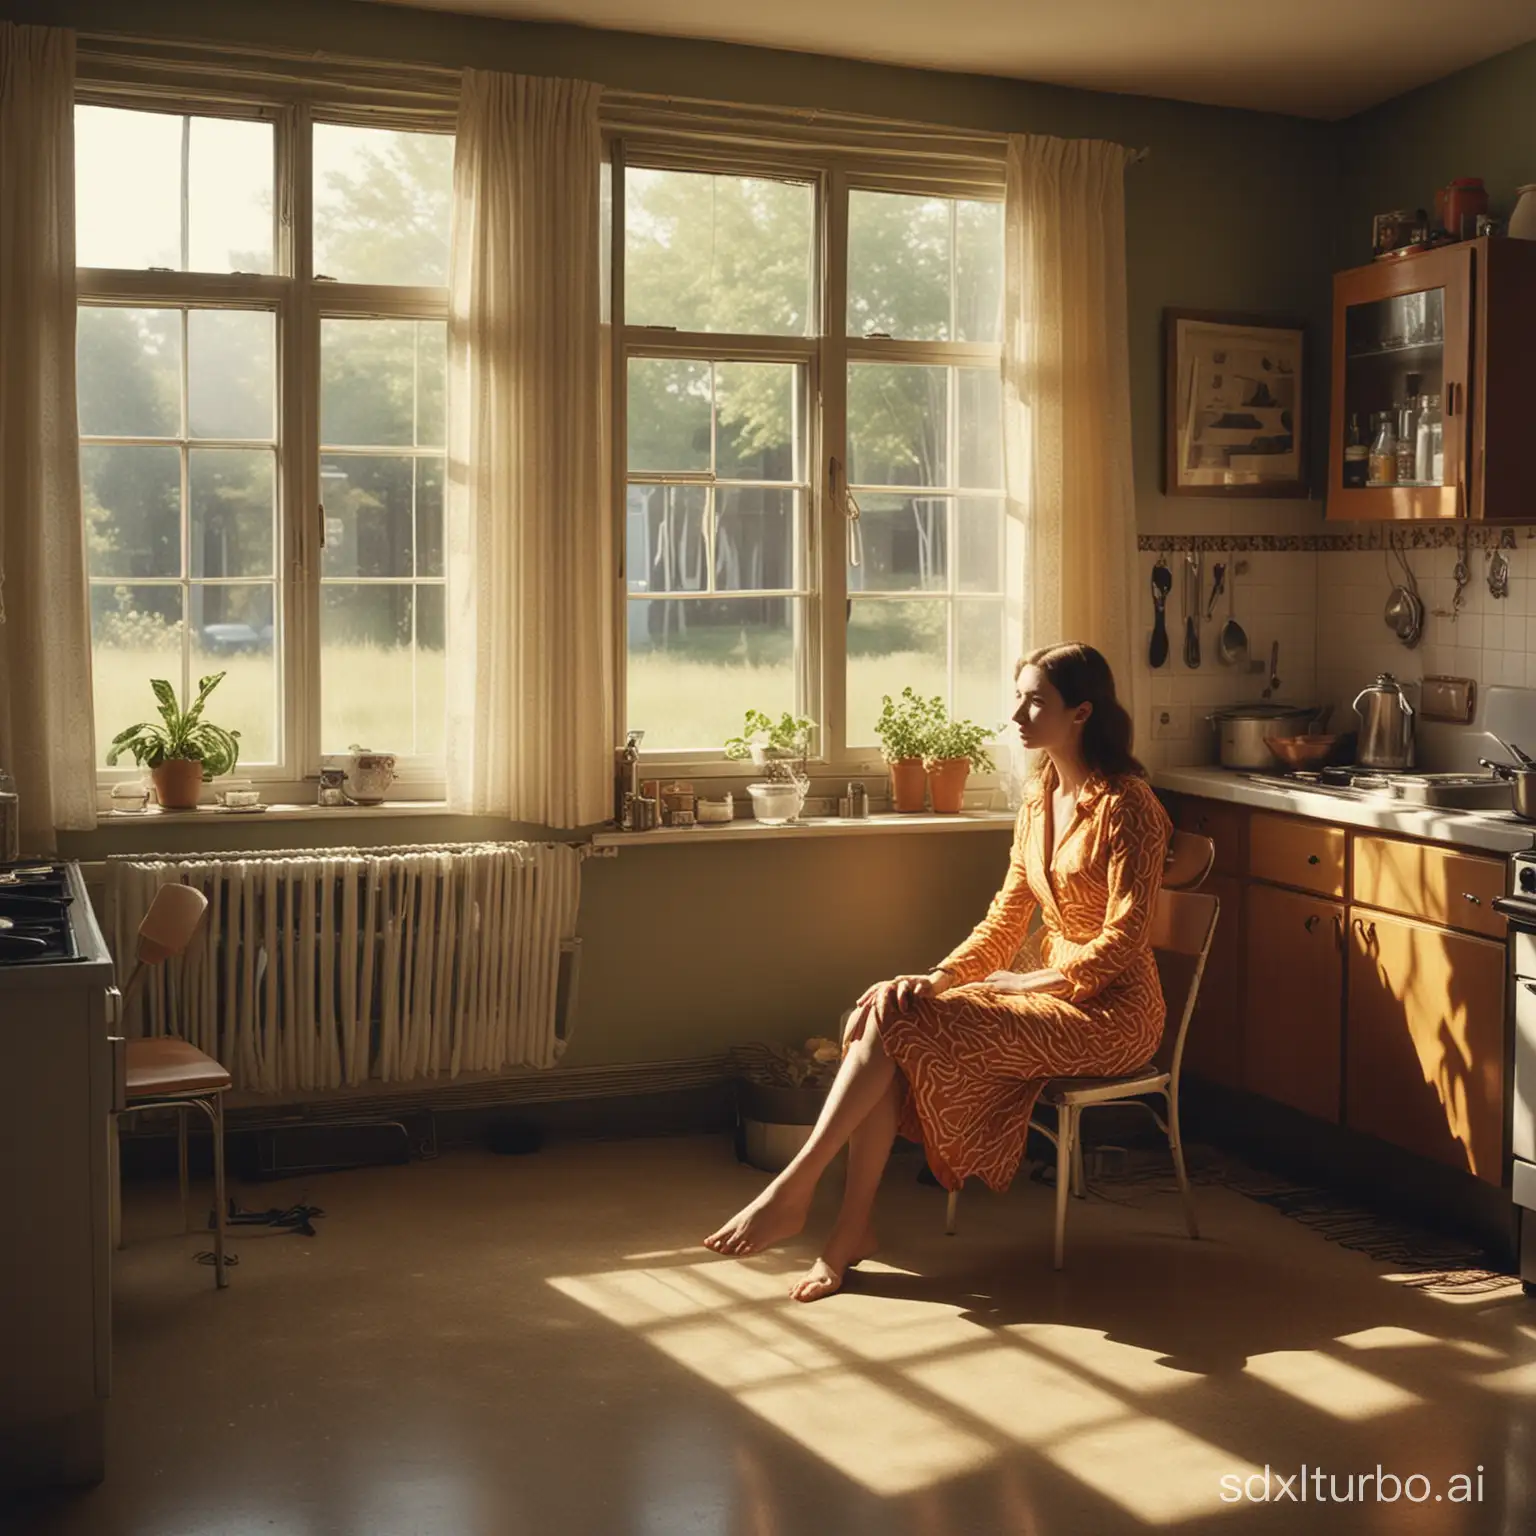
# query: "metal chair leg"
{"type": "Point", "coordinates": [1176, 1147]}
{"type": "Point", "coordinates": [950, 1207]}
{"type": "Point", "coordinates": [221, 1278]}
{"type": "Point", "coordinates": [1066, 1131]}
{"type": "Point", "coordinates": [181, 1159]}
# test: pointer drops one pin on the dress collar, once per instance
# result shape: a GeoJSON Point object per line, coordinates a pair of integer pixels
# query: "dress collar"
{"type": "Point", "coordinates": [1094, 787]}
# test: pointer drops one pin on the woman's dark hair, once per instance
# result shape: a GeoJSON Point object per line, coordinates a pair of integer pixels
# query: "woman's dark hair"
{"type": "Point", "coordinates": [1082, 676]}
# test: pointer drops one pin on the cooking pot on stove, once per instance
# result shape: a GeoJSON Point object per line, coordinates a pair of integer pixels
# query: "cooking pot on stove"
{"type": "Point", "coordinates": [1241, 729]}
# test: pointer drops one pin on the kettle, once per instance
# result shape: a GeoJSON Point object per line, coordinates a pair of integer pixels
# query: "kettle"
{"type": "Point", "coordinates": [1386, 725]}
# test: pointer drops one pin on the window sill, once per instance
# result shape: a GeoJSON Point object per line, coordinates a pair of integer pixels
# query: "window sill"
{"type": "Point", "coordinates": [744, 829]}
{"type": "Point", "coordinates": [279, 812]}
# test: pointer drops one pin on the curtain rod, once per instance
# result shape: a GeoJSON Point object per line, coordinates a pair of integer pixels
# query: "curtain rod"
{"type": "Point", "coordinates": [437, 84]}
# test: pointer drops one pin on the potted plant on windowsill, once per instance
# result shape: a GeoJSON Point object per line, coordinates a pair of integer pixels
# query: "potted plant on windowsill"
{"type": "Point", "coordinates": [182, 752]}
{"type": "Point", "coordinates": [954, 748]}
{"type": "Point", "coordinates": [904, 731]}
{"type": "Point", "coordinates": [779, 747]}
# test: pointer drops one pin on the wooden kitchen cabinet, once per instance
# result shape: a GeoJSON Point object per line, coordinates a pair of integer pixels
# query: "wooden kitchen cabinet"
{"type": "Point", "coordinates": [1433, 884]}
{"type": "Point", "coordinates": [1287, 850]}
{"type": "Point", "coordinates": [1294, 999]}
{"type": "Point", "coordinates": [1224, 824]}
{"type": "Point", "coordinates": [1424, 1063]}
{"type": "Point", "coordinates": [1455, 323]}
{"type": "Point", "coordinates": [1213, 1048]}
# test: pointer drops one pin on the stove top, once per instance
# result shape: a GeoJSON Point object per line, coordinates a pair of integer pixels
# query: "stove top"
{"type": "Point", "coordinates": [1446, 791]}
{"type": "Point", "coordinates": [35, 926]}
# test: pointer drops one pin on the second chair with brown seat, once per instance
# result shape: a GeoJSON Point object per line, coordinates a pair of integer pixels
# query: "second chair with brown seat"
{"type": "Point", "coordinates": [163, 1072]}
{"type": "Point", "coordinates": [1183, 926]}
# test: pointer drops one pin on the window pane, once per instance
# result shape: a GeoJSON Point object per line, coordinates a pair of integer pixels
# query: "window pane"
{"type": "Point", "coordinates": [668, 415]}
{"type": "Point", "coordinates": [132, 498]}
{"type": "Point", "coordinates": [128, 364]}
{"type": "Point", "coordinates": [431, 670]}
{"type": "Point", "coordinates": [980, 405]}
{"type": "Point", "coordinates": [979, 541]}
{"type": "Point", "coordinates": [382, 200]}
{"type": "Point", "coordinates": [755, 538]}
{"type": "Point", "coordinates": [370, 514]}
{"type": "Point", "coordinates": [129, 184]}
{"type": "Point", "coordinates": [136, 635]}
{"type": "Point", "coordinates": [368, 669]}
{"type": "Point", "coordinates": [231, 492]}
{"type": "Point", "coordinates": [127, 188]}
{"type": "Point", "coordinates": [924, 268]}
{"type": "Point", "coordinates": [231, 370]}
{"type": "Point", "coordinates": [696, 666]}
{"type": "Point", "coordinates": [978, 271]}
{"type": "Point", "coordinates": [665, 539]}
{"type": "Point", "coordinates": [905, 542]}
{"type": "Point", "coordinates": [381, 383]}
{"type": "Point", "coordinates": [893, 643]}
{"type": "Point", "coordinates": [758, 417]}
{"type": "Point", "coordinates": [718, 253]}
{"type": "Point", "coordinates": [229, 208]}
{"type": "Point", "coordinates": [897, 425]}
{"type": "Point", "coordinates": [984, 674]}
{"type": "Point", "coordinates": [233, 633]}
{"type": "Point", "coordinates": [429, 517]}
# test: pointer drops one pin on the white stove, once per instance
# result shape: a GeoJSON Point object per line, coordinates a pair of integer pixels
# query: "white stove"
{"type": "Point", "coordinates": [57, 1094]}
{"type": "Point", "coordinates": [1520, 909]}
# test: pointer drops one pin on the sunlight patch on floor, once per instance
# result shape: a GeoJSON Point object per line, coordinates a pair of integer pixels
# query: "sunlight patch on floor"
{"type": "Point", "coordinates": [1331, 1386]}
{"type": "Point", "coordinates": [1390, 1337]}
{"type": "Point", "coordinates": [1128, 1366]}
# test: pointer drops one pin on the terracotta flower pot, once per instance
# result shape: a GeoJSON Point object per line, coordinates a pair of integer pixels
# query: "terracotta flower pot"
{"type": "Point", "coordinates": [909, 784]}
{"type": "Point", "coordinates": [178, 783]}
{"type": "Point", "coordinates": [946, 784]}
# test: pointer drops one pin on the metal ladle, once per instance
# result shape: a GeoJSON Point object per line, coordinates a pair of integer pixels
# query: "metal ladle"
{"type": "Point", "coordinates": [1232, 642]}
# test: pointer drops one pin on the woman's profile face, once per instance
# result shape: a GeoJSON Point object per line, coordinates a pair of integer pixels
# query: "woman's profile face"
{"type": "Point", "coordinates": [1045, 721]}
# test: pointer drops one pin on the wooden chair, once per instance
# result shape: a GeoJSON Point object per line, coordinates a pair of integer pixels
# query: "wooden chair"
{"type": "Point", "coordinates": [1183, 926]}
{"type": "Point", "coordinates": [166, 1073]}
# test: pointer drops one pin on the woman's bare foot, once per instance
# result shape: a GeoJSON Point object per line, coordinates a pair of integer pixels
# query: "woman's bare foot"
{"type": "Point", "coordinates": [825, 1276]}
{"type": "Point", "coordinates": [777, 1213]}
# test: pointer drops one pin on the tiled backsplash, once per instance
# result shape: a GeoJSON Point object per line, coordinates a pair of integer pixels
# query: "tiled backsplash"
{"type": "Point", "coordinates": [1324, 604]}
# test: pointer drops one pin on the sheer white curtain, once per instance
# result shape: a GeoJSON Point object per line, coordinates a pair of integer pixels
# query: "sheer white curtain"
{"type": "Point", "coordinates": [530, 568]}
{"type": "Point", "coordinates": [46, 734]}
{"type": "Point", "coordinates": [1066, 392]}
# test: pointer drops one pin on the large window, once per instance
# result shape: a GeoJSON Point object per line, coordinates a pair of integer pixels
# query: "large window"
{"type": "Point", "coordinates": [762, 430]}
{"type": "Point", "coordinates": [262, 423]}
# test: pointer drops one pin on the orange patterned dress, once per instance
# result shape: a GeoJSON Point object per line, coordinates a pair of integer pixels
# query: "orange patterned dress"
{"type": "Point", "coordinates": [975, 1058]}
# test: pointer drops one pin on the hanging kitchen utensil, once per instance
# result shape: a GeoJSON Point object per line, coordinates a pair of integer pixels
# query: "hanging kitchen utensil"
{"type": "Point", "coordinates": [1232, 642]}
{"type": "Point", "coordinates": [1404, 612]}
{"type": "Point", "coordinates": [1162, 585]}
{"type": "Point", "coordinates": [1218, 586]}
{"type": "Point", "coordinates": [1192, 617]}
{"type": "Point", "coordinates": [1498, 574]}
{"type": "Point", "coordinates": [1274, 670]}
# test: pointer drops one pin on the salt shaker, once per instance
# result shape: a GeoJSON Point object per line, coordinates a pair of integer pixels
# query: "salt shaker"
{"type": "Point", "coordinates": [858, 799]}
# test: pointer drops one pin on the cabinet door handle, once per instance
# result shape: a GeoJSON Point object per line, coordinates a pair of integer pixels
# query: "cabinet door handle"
{"type": "Point", "coordinates": [1476, 901]}
{"type": "Point", "coordinates": [1311, 923]}
{"type": "Point", "coordinates": [1312, 858]}
{"type": "Point", "coordinates": [1338, 929]}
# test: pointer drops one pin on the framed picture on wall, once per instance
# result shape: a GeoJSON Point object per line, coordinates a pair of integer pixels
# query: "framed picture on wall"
{"type": "Point", "coordinates": [1235, 405]}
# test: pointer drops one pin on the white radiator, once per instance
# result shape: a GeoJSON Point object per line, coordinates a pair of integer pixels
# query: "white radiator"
{"type": "Point", "coordinates": [325, 968]}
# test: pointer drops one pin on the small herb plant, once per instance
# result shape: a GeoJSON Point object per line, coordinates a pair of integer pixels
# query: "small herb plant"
{"type": "Point", "coordinates": [183, 734]}
{"type": "Point", "coordinates": [789, 733]}
{"type": "Point", "coordinates": [960, 738]}
{"type": "Point", "coordinates": [906, 726]}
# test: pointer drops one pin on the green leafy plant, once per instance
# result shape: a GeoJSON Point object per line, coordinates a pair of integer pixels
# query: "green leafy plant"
{"type": "Point", "coordinates": [789, 733]}
{"type": "Point", "coordinates": [953, 739]}
{"type": "Point", "coordinates": [183, 734]}
{"type": "Point", "coordinates": [906, 726]}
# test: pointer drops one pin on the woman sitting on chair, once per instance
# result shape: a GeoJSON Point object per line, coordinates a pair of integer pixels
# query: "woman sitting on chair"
{"type": "Point", "coordinates": [955, 1059]}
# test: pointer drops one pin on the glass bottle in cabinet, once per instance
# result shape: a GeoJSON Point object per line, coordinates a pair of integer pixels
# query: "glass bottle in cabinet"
{"type": "Point", "coordinates": [1429, 442]}
{"type": "Point", "coordinates": [1383, 460]}
{"type": "Point", "coordinates": [1394, 355]}
{"type": "Point", "coordinates": [1357, 456]}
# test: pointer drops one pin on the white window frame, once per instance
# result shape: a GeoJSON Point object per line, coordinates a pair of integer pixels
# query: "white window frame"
{"type": "Point", "coordinates": [299, 302]}
{"type": "Point", "coordinates": [827, 353]}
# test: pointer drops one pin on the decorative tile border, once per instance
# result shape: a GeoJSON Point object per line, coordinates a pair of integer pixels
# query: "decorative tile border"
{"type": "Point", "coordinates": [1410, 536]}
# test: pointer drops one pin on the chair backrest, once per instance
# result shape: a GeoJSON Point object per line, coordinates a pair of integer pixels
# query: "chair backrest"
{"type": "Point", "coordinates": [166, 930]}
{"type": "Point", "coordinates": [1190, 858]}
{"type": "Point", "coordinates": [1183, 926]}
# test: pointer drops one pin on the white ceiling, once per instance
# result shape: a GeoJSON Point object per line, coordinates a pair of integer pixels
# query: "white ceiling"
{"type": "Point", "coordinates": [1314, 58]}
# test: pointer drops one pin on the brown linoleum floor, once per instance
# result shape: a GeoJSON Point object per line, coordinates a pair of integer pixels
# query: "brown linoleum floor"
{"type": "Point", "coordinates": [534, 1346]}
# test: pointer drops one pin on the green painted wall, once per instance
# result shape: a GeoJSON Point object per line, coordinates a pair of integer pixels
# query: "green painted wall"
{"type": "Point", "coordinates": [1478, 122]}
{"type": "Point", "coordinates": [689, 949]}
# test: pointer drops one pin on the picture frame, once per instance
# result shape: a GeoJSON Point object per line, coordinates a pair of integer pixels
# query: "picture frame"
{"type": "Point", "coordinates": [1235, 404]}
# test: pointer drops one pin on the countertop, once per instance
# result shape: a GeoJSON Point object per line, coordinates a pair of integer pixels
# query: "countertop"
{"type": "Point", "coordinates": [1493, 831]}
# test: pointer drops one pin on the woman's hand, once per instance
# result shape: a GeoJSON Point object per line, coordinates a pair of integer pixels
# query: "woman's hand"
{"type": "Point", "coordinates": [887, 998]}
{"type": "Point", "coordinates": [1026, 981]}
